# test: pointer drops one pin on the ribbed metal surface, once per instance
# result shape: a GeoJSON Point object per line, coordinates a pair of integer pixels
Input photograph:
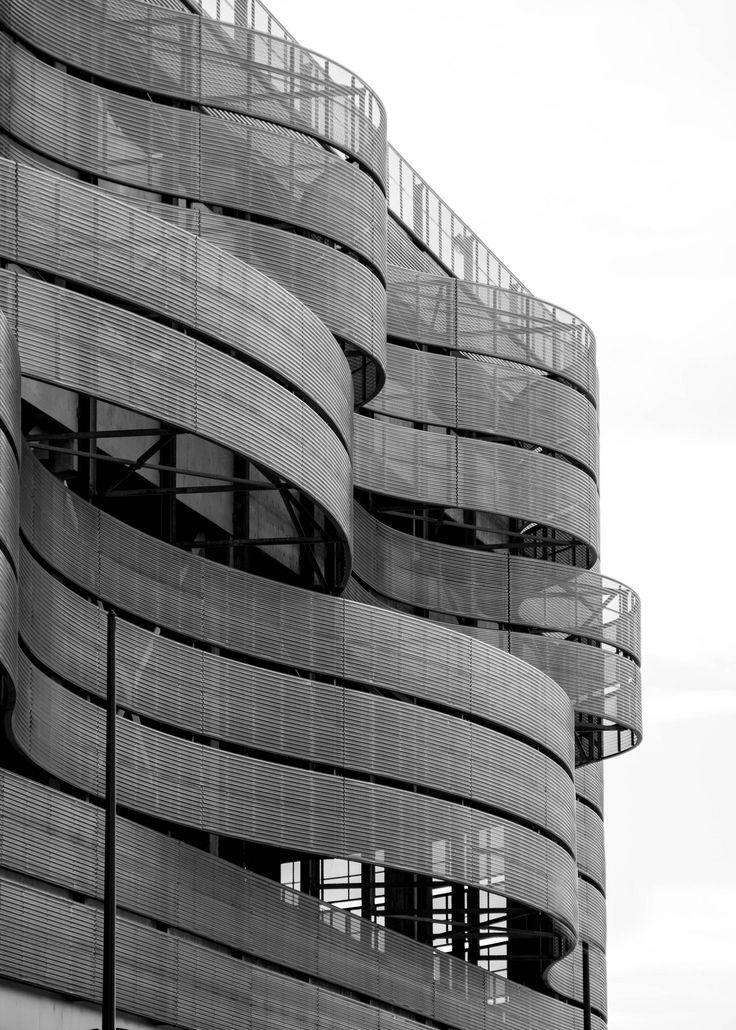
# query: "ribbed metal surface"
{"type": "Point", "coordinates": [289, 715]}
{"type": "Point", "coordinates": [585, 603]}
{"type": "Point", "coordinates": [180, 55]}
{"type": "Point", "coordinates": [8, 618]}
{"type": "Point", "coordinates": [485, 320]}
{"type": "Point", "coordinates": [566, 977]}
{"type": "Point", "coordinates": [499, 587]}
{"type": "Point", "coordinates": [172, 978]}
{"type": "Point", "coordinates": [81, 234]}
{"type": "Point", "coordinates": [9, 375]}
{"type": "Point", "coordinates": [282, 624]}
{"type": "Point", "coordinates": [199, 283]}
{"type": "Point", "coordinates": [589, 785]}
{"type": "Point", "coordinates": [403, 251]}
{"type": "Point", "coordinates": [346, 294]}
{"type": "Point", "coordinates": [501, 399]}
{"type": "Point", "coordinates": [75, 342]}
{"type": "Point", "coordinates": [186, 888]}
{"type": "Point", "coordinates": [244, 165]}
{"type": "Point", "coordinates": [246, 797]}
{"type": "Point", "coordinates": [592, 914]}
{"type": "Point", "coordinates": [598, 683]}
{"type": "Point", "coordinates": [590, 855]}
{"type": "Point", "coordinates": [450, 471]}
{"type": "Point", "coordinates": [9, 498]}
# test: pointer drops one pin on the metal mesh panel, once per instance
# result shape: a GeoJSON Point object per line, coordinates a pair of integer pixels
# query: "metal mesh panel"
{"type": "Point", "coordinates": [246, 797]}
{"type": "Point", "coordinates": [346, 295]}
{"type": "Point", "coordinates": [184, 56]}
{"type": "Point", "coordinates": [592, 914]}
{"type": "Point", "coordinates": [240, 164]}
{"type": "Point", "coordinates": [566, 976]}
{"type": "Point", "coordinates": [8, 618]}
{"type": "Point", "coordinates": [80, 233]}
{"type": "Point", "coordinates": [9, 372]}
{"type": "Point", "coordinates": [589, 785]}
{"type": "Point", "coordinates": [291, 716]}
{"type": "Point", "coordinates": [502, 399]}
{"type": "Point", "coordinates": [226, 987]}
{"type": "Point", "coordinates": [124, 359]}
{"type": "Point", "coordinates": [455, 472]}
{"type": "Point", "coordinates": [9, 496]}
{"type": "Point", "coordinates": [288, 625]}
{"type": "Point", "coordinates": [372, 734]}
{"type": "Point", "coordinates": [490, 321]}
{"type": "Point", "coordinates": [495, 586]}
{"type": "Point", "coordinates": [440, 230]}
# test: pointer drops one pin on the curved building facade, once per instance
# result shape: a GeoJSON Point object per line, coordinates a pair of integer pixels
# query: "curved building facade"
{"type": "Point", "coordinates": [271, 411]}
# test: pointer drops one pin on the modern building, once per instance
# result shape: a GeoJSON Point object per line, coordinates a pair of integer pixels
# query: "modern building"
{"type": "Point", "coordinates": [293, 463]}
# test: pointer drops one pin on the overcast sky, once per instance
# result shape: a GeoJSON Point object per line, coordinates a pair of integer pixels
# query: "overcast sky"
{"type": "Point", "coordinates": [590, 144]}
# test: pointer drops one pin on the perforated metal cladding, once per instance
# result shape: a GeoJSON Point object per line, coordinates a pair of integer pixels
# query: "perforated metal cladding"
{"type": "Point", "coordinates": [346, 295]}
{"type": "Point", "coordinates": [9, 497]}
{"type": "Point", "coordinates": [455, 472]}
{"type": "Point", "coordinates": [157, 147]}
{"type": "Point", "coordinates": [395, 968]}
{"type": "Point", "coordinates": [290, 716]}
{"type": "Point", "coordinates": [283, 624]}
{"type": "Point", "coordinates": [590, 851]}
{"type": "Point", "coordinates": [284, 806]}
{"type": "Point", "coordinates": [9, 378]}
{"type": "Point", "coordinates": [524, 484]}
{"type": "Point", "coordinates": [592, 913]}
{"type": "Point", "coordinates": [487, 320]}
{"type": "Point", "coordinates": [566, 976]}
{"type": "Point", "coordinates": [9, 619]}
{"type": "Point", "coordinates": [495, 586]}
{"type": "Point", "coordinates": [589, 785]}
{"type": "Point", "coordinates": [80, 233]}
{"type": "Point", "coordinates": [456, 995]}
{"type": "Point", "coordinates": [598, 683]}
{"type": "Point", "coordinates": [586, 603]}
{"type": "Point", "coordinates": [401, 250]}
{"type": "Point", "coordinates": [118, 356]}
{"type": "Point", "coordinates": [333, 726]}
{"type": "Point", "coordinates": [504, 399]}
{"type": "Point", "coordinates": [180, 55]}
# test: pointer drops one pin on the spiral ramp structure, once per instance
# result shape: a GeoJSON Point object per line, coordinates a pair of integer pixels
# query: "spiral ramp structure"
{"type": "Point", "coordinates": [334, 469]}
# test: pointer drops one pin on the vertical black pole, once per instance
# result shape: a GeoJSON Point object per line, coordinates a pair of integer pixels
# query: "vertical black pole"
{"type": "Point", "coordinates": [586, 989]}
{"type": "Point", "coordinates": [108, 940]}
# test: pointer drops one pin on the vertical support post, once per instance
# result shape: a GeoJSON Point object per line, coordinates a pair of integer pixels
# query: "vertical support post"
{"type": "Point", "coordinates": [108, 939]}
{"type": "Point", "coordinates": [458, 918]}
{"type": "Point", "coordinates": [472, 917]}
{"type": "Point", "coordinates": [587, 1015]}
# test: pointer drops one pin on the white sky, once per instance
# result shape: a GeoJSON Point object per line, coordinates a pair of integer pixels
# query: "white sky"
{"type": "Point", "coordinates": [590, 144]}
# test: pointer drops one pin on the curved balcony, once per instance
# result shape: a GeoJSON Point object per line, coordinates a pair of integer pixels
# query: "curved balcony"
{"type": "Point", "coordinates": [381, 808]}
{"type": "Point", "coordinates": [175, 54]}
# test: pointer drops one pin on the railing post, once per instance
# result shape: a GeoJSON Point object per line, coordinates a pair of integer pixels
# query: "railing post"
{"type": "Point", "coordinates": [587, 1020]}
{"type": "Point", "coordinates": [108, 939]}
